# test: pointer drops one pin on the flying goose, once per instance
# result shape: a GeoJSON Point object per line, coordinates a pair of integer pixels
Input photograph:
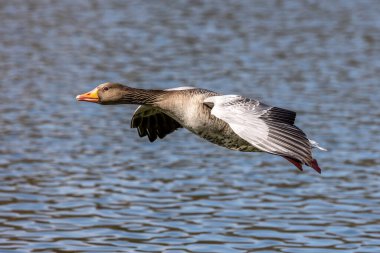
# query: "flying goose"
{"type": "Point", "coordinates": [230, 121]}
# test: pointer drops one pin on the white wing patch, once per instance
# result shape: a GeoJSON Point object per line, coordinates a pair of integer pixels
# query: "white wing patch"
{"type": "Point", "coordinates": [241, 117]}
{"type": "Point", "coordinates": [268, 128]}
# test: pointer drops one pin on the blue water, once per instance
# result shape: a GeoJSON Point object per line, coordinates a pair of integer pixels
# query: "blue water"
{"type": "Point", "coordinates": [74, 177]}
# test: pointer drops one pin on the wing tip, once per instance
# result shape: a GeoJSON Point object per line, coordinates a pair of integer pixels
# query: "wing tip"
{"type": "Point", "coordinates": [315, 166]}
{"type": "Point", "coordinates": [294, 162]}
{"type": "Point", "coordinates": [298, 164]}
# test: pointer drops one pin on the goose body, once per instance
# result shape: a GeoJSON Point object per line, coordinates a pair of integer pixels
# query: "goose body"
{"type": "Point", "coordinates": [230, 121]}
{"type": "Point", "coordinates": [190, 111]}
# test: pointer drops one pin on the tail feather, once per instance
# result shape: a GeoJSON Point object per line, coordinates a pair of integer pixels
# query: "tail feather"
{"type": "Point", "coordinates": [315, 144]}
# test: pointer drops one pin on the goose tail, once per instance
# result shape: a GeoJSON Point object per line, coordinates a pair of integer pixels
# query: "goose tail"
{"type": "Point", "coordinates": [315, 144]}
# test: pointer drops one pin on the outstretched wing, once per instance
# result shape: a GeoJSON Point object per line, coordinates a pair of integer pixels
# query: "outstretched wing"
{"type": "Point", "coordinates": [152, 122]}
{"type": "Point", "coordinates": [268, 128]}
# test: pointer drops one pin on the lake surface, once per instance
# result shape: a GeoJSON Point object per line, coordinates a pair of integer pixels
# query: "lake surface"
{"type": "Point", "coordinates": [75, 178]}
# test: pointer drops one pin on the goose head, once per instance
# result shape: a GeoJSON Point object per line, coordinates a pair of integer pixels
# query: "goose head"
{"type": "Point", "coordinates": [115, 93]}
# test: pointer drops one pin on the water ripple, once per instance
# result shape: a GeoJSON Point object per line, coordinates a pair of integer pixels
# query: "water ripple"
{"type": "Point", "coordinates": [75, 178]}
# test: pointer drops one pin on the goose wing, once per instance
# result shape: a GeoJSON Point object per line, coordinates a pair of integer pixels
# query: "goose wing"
{"type": "Point", "coordinates": [268, 128]}
{"type": "Point", "coordinates": [152, 122]}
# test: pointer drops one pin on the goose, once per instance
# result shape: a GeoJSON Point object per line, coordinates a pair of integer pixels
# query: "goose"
{"type": "Point", "coordinates": [230, 121]}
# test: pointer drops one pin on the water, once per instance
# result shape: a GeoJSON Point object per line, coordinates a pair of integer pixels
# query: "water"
{"type": "Point", "coordinates": [74, 177]}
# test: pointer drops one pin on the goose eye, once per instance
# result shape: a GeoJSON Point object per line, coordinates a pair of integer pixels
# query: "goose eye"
{"type": "Point", "coordinates": [106, 88]}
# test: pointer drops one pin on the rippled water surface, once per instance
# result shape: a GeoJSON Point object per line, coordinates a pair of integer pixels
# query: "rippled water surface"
{"type": "Point", "coordinates": [75, 178]}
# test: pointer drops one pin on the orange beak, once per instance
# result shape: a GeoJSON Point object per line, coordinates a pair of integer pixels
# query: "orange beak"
{"type": "Point", "coordinates": [91, 96]}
